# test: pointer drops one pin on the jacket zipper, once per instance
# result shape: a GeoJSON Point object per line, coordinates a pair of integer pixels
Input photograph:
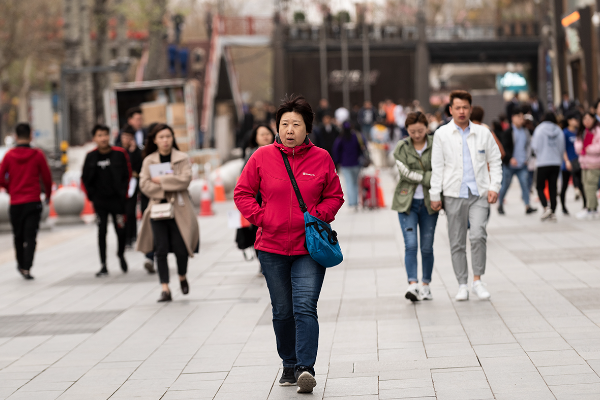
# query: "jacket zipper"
{"type": "Point", "coordinates": [291, 206]}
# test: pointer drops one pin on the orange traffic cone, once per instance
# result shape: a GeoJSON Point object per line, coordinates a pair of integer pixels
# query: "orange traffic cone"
{"type": "Point", "coordinates": [380, 199]}
{"type": "Point", "coordinates": [219, 190]}
{"type": "Point", "coordinates": [244, 222]}
{"type": "Point", "coordinates": [88, 207]}
{"type": "Point", "coordinates": [205, 203]}
{"type": "Point", "coordinates": [51, 204]}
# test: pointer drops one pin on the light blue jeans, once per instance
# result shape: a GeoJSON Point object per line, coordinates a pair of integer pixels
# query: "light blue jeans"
{"type": "Point", "coordinates": [522, 174]}
{"type": "Point", "coordinates": [350, 175]}
{"type": "Point", "coordinates": [418, 217]}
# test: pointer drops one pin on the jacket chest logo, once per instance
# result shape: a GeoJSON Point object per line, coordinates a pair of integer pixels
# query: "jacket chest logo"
{"type": "Point", "coordinates": [104, 163]}
{"type": "Point", "coordinates": [304, 173]}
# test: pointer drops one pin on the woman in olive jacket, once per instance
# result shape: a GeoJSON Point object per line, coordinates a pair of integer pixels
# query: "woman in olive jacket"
{"type": "Point", "coordinates": [179, 235]}
{"type": "Point", "coordinates": [411, 200]}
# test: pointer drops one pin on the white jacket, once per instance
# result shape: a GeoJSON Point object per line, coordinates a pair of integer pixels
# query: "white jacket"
{"type": "Point", "coordinates": [447, 164]}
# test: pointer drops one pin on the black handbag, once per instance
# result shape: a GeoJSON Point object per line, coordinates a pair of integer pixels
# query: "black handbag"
{"type": "Point", "coordinates": [575, 166]}
{"type": "Point", "coordinates": [245, 238]}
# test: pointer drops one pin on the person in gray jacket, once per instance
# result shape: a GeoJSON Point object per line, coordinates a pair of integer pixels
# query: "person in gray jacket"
{"type": "Point", "coordinates": [548, 143]}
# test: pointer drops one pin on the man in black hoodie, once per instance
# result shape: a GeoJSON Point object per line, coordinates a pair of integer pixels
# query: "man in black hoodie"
{"type": "Point", "coordinates": [105, 176]}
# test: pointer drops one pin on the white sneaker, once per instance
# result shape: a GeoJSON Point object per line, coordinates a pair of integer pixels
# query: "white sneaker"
{"type": "Point", "coordinates": [584, 214]}
{"type": "Point", "coordinates": [425, 293]}
{"type": "Point", "coordinates": [546, 214]}
{"type": "Point", "coordinates": [412, 293]}
{"type": "Point", "coordinates": [594, 214]}
{"type": "Point", "coordinates": [480, 290]}
{"type": "Point", "coordinates": [463, 293]}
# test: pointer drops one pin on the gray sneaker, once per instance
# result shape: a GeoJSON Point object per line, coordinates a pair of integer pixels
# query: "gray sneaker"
{"type": "Point", "coordinates": [305, 380]}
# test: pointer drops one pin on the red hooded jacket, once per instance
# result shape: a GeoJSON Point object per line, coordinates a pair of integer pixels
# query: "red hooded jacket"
{"type": "Point", "coordinates": [279, 218]}
{"type": "Point", "coordinates": [20, 174]}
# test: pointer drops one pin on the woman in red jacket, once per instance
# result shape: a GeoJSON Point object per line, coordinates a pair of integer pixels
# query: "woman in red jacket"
{"type": "Point", "coordinates": [294, 279]}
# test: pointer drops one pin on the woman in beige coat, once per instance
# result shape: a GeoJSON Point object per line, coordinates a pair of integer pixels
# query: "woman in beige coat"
{"type": "Point", "coordinates": [179, 235]}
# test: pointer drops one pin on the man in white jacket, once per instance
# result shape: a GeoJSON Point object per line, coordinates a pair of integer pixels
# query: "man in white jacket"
{"type": "Point", "coordinates": [461, 154]}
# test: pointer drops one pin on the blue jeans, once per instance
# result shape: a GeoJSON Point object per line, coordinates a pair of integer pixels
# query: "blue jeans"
{"type": "Point", "coordinates": [351, 180]}
{"type": "Point", "coordinates": [418, 217]}
{"type": "Point", "coordinates": [294, 284]}
{"type": "Point", "coordinates": [507, 174]}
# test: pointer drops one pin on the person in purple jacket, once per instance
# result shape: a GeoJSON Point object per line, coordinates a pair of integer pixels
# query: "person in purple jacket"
{"type": "Point", "coordinates": [348, 149]}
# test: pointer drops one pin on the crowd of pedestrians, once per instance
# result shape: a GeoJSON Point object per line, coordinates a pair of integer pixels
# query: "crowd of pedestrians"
{"type": "Point", "coordinates": [457, 164]}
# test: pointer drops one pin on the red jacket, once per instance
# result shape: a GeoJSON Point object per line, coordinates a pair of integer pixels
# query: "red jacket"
{"type": "Point", "coordinates": [279, 218]}
{"type": "Point", "coordinates": [20, 174]}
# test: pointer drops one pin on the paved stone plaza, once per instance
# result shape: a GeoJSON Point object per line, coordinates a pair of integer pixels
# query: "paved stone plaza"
{"type": "Point", "coordinates": [68, 335]}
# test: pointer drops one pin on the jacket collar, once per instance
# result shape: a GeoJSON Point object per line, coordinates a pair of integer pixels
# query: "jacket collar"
{"type": "Point", "coordinates": [176, 156]}
{"type": "Point", "coordinates": [457, 129]}
{"type": "Point", "coordinates": [429, 138]}
{"type": "Point", "coordinates": [300, 149]}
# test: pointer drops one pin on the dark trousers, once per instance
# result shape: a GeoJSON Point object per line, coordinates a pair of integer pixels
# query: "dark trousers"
{"type": "Point", "coordinates": [144, 201]}
{"type": "Point", "coordinates": [25, 220]}
{"type": "Point", "coordinates": [131, 220]}
{"type": "Point", "coordinates": [548, 174]}
{"type": "Point", "coordinates": [167, 238]}
{"type": "Point", "coordinates": [576, 183]}
{"type": "Point", "coordinates": [118, 222]}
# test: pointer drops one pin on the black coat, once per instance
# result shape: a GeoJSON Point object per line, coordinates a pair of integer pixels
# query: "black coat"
{"type": "Point", "coordinates": [324, 139]}
{"type": "Point", "coordinates": [144, 131]}
{"type": "Point", "coordinates": [120, 169]}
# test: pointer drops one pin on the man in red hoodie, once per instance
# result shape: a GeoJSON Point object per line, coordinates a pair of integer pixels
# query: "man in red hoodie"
{"type": "Point", "coordinates": [20, 174]}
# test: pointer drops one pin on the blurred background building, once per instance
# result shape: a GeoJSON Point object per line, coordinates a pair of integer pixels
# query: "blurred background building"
{"type": "Point", "coordinates": [66, 65]}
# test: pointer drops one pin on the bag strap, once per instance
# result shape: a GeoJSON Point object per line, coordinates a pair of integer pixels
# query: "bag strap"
{"type": "Point", "coordinates": [294, 183]}
{"type": "Point", "coordinates": [361, 143]}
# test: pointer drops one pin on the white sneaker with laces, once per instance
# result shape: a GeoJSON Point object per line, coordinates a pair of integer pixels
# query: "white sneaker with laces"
{"type": "Point", "coordinates": [546, 215]}
{"type": "Point", "coordinates": [584, 214]}
{"type": "Point", "coordinates": [412, 293]}
{"type": "Point", "coordinates": [463, 293]}
{"type": "Point", "coordinates": [480, 290]}
{"type": "Point", "coordinates": [425, 293]}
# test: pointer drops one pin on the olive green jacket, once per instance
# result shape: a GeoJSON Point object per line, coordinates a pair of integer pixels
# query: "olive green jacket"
{"type": "Point", "coordinates": [414, 170]}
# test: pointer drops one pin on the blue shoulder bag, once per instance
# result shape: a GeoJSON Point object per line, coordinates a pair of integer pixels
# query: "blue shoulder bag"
{"type": "Point", "coordinates": [321, 240]}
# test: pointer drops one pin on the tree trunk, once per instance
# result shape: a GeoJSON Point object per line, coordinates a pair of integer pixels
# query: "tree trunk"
{"type": "Point", "coordinates": [79, 87]}
{"type": "Point", "coordinates": [157, 60]}
{"type": "Point", "coordinates": [23, 110]}
{"type": "Point", "coordinates": [101, 57]}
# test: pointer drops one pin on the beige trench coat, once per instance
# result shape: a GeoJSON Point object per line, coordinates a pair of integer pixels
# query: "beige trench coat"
{"type": "Point", "coordinates": [173, 188]}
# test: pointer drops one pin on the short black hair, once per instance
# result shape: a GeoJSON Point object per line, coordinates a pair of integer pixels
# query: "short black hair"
{"type": "Point", "coordinates": [128, 129]}
{"type": "Point", "coordinates": [298, 104]}
{"type": "Point", "coordinates": [573, 115]}
{"type": "Point", "coordinates": [549, 117]}
{"type": "Point", "coordinates": [519, 110]}
{"type": "Point", "coordinates": [132, 111]}
{"type": "Point", "coordinates": [99, 127]}
{"type": "Point", "coordinates": [23, 131]}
